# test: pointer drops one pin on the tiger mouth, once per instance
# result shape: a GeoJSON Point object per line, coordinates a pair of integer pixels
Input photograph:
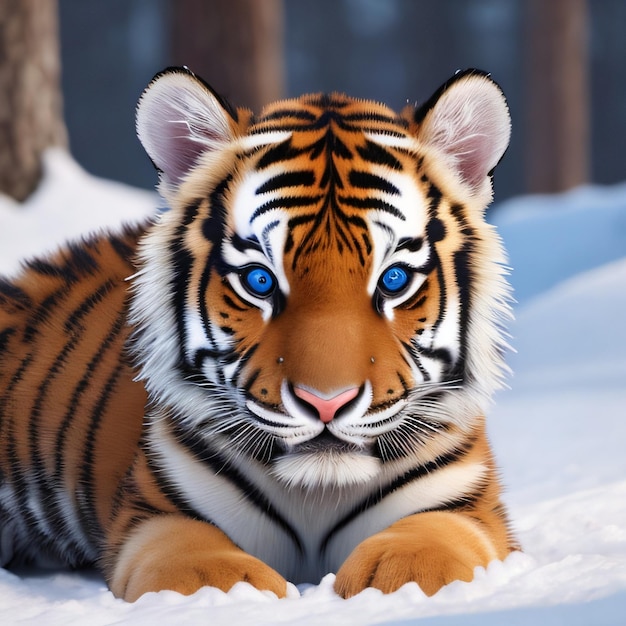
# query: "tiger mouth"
{"type": "Point", "coordinates": [326, 441]}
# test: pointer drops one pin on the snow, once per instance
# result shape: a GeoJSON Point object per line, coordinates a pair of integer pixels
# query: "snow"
{"type": "Point", "coordinates": [558, 433]}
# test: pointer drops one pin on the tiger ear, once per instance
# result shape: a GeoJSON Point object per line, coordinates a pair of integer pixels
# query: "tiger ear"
{"type": "Point", "coordinates": [179, 118]}
{"type": "Point", "coordinates": [468, 121]}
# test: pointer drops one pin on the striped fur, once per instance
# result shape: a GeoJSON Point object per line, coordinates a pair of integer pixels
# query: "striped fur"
{"type": "Point", "coordinates": [294, 379]}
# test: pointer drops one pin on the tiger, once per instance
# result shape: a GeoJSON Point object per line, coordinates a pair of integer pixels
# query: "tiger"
{"type": "Point", "coordinates": [285, 373]}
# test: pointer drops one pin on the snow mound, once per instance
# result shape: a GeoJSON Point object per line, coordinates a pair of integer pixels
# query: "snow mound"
{"type": "Point", "coordinates": [68, 203]}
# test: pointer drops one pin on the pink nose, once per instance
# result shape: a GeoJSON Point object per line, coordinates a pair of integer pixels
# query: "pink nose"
{"type": "Point", "coordinates": [326, 407]}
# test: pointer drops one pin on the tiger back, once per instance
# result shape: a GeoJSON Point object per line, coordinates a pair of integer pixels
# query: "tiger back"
{"type": "Point", "coordinates": [316, 322]}
{"type": "Point", "coordinates": [70, 413]}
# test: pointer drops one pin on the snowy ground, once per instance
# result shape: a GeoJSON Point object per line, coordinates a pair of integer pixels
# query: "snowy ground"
{"type": "Point", "coordinates": [559, 434]}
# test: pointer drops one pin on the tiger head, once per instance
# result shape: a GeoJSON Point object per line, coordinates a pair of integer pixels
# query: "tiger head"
{"type": "Point", "coordinates": [323, 294]}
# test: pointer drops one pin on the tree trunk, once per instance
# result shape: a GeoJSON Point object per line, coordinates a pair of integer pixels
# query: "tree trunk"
{"type": "Point", "coordinates": [557, 95]}
{"type": "Point", "coordinates": [31, 116]}
{"type": "Point", "coordinates": [235, 45]}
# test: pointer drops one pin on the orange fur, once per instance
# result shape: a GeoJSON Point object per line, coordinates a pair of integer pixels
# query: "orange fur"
{"type": "Point", "coordinates": [177, 553]}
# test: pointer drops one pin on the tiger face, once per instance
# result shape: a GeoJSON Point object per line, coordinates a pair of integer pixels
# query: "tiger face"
{"type": "Point", "coordinates": [313, 300]}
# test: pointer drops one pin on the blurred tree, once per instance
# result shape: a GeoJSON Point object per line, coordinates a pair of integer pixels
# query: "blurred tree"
{"type": "Point", "coordinates": [31, 116]}
{"type": "Point", "coordinates": [236, 45]}
{"type": "Point", "coordinates": [557, 95]}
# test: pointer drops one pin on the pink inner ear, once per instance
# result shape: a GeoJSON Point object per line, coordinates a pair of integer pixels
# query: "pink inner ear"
{"type": "Point", "coordinates": [175, 151]}
{"type": "Point", "coordinates": [475, 158]}
{"type": "Point", "coordinates": [178, 144]}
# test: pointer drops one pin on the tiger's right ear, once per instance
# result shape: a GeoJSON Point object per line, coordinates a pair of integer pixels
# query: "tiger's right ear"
{"type": "Point", "coordinates": [179, 118]}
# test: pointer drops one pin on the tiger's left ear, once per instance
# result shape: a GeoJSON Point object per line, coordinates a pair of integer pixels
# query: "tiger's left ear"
{"type": "Point", "coordinates": [179, 118]}
{"type": "Point", "coordinates": [468, 121]}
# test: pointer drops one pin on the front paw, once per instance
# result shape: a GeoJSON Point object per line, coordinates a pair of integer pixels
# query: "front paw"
{"type": "Point", "coordinates": [180, 554]}
{"type": "Point", "coordinates": [431, 549]}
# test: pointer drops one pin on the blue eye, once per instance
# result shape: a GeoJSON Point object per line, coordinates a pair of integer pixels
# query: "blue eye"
{"type": "Point", "coordinates": [258, 281]}
{"type": "Point", "coordinates": [394, 280]}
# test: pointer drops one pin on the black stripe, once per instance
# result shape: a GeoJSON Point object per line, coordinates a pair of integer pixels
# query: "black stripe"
{"type": "Point", "coordinates": [265, 238]}
{"type": "Point", "coordinates": [171, 491]}
{"type": "Point", "coordinates": [47, 268]}
{"type": "Point", "coordinates": [367, 243]}
{"type": "Point", "coordinates": [72, 322]}
{"type": "Point", "coordinates": [282, 152]}
{"type": "Point", "coordinates": [464, 503]}
{"type": "Point", "coordinates": [35, 426]}
{"type": "Point", "coordinates": [410, 350]}
{"type": "Point", "coordinates": [15, 380]}
{"type": "Point", "coordinates": [5, 336]}
{"type": "Point", "coordinates": [435, 230]}
{"type": "Point", "coordinates": [327, 101]}
{"type": "Point", "coordinates": [222, 467]}
{"type": "Point", "coordinates": [401, 481]}
{"type": "Point", "coordinates": [440, 354]}
{"type": "Point", "coordinates": [412, 244]}
{"type": "Point", "coordinates": [281, 114]}
{"type": "Point", "coordinates": [251, 380]}
{"type": "Point", "coordinates": [11, 294]}
{"type": "Point", "coordinates": [443, 291]}
{"type": "Point", "coordinates": [434, 196]}
{"type": "Point", "coordinates": [44, 311]}
{"type": "Point", "coordinates": [214, 230]}
{"type": "Point", "coordinates": [288, 202]}
{"type": "Point", "coordinates": [243, 245]}
{"type": "Point", "coordinates": [181, 261]}
{"type": "Point", "coordinates": [243, 360]}
{"type": "Point", "coordinates": [86, 497]}
{"type": "Point", "coordinates": [302, 178]}
{"type": "Point", "coordinates": [365, 180]}
{"type": "Point", "coordinates": [201, 354]}
{"type": "Point", "coordinates": [230, 303]}
{"type": "Point", "coordinates": [81, 261]}
{"type": "Point", "coordinates": [125, 251]}
{"type": "Point", "coordinates": [372, 204]}
{"type": "Point", "coordinates": [464, 278]}
{"type": "Point", "coordinates": [377, 117]}
{"type": "Point", "coordinates": [375, 153]}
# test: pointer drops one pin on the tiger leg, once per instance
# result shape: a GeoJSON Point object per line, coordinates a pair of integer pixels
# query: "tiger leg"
{"type": "Point", "coordinates": [432, 549]}
{"type": "Point", "coordinates": [181, 554]}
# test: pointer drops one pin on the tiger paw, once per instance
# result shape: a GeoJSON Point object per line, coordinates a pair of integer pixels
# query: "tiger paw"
{"type": "Point", "coordinates": [180, 554]}
{"type": "Point", "coordinates": [431, 549]}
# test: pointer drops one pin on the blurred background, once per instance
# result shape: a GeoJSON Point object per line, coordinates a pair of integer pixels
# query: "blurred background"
{"type": "Point", "coordinates": [561, 64]}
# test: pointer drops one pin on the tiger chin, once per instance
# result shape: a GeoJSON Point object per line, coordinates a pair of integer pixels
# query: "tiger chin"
{"type": "Point", "coordinates": [286, 372]}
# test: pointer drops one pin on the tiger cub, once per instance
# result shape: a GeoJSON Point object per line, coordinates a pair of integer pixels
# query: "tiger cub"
{"type": "Point", "coordinates": [286, 373]}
